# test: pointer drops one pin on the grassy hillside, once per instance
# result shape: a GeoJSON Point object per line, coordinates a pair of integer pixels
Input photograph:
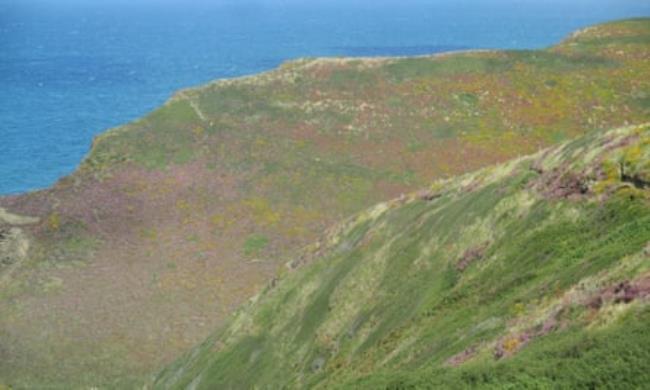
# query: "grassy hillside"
{"type": "Point", "coordinates": [171, 222]}
{"type": "Point", "coordinates": [533, 273]}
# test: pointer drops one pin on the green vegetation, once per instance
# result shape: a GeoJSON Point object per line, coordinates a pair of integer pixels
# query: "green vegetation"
{"type": "Point", "coordinates": [254, 244]}
{"type": "Point", "coordinates": [529, 274]}
{"type": "Point", "coordinates": [613, 357]}
{"type": "Point", "coordinates": [259, 167]}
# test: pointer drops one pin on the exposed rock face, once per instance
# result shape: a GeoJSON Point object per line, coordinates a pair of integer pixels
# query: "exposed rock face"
{"type": "Point", "coordinates": [7, 218]}
{"type": "Point", "coordinates": [14, 243]}
{"type": "Point", "coordinates": [13, 246]}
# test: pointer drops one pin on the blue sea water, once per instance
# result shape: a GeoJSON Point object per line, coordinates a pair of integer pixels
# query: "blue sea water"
{"type": "Point", "coordinates": [69, 69]}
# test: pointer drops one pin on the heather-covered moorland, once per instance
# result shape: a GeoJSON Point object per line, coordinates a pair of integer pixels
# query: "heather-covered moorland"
{"type": "Point", "coordinates": [174, 220]}
{"type": "Point", "coordinates": [530, 274]}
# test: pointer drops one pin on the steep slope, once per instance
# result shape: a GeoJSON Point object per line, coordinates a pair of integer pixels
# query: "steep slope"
{"type": "Point", "coordinates": [174, 220]}
{"type": "Point", "coordinates": [531, 273]}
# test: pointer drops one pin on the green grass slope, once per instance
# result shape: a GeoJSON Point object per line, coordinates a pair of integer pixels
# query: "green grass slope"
{"type": "Point", "coordinates": [530, 274]}
{"type": "Point", "coordinates": [174, 220]}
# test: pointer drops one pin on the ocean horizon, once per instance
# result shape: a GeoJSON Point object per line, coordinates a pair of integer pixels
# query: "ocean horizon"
{"type": "Point", "coordinates": [70, 70]}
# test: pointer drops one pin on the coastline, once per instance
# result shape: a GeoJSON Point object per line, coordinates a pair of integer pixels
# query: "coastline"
{"type": "Point", "coordinates": [295, 64]}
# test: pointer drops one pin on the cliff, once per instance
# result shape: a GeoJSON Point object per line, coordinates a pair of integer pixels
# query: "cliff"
{"type": "Point", "coordinates": [174, 220]}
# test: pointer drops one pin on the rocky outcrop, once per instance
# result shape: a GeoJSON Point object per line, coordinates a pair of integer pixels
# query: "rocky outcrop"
{"type": "Point", "coordinates": [7, 218]}
{"type": "Point", "coordinates": [14, 242]}
{"type": "Point", "coordinates": [13, 246]}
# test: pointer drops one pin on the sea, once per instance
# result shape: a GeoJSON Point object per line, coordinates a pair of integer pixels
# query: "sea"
{"type": "Point", "coordinates": [70, 69]}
